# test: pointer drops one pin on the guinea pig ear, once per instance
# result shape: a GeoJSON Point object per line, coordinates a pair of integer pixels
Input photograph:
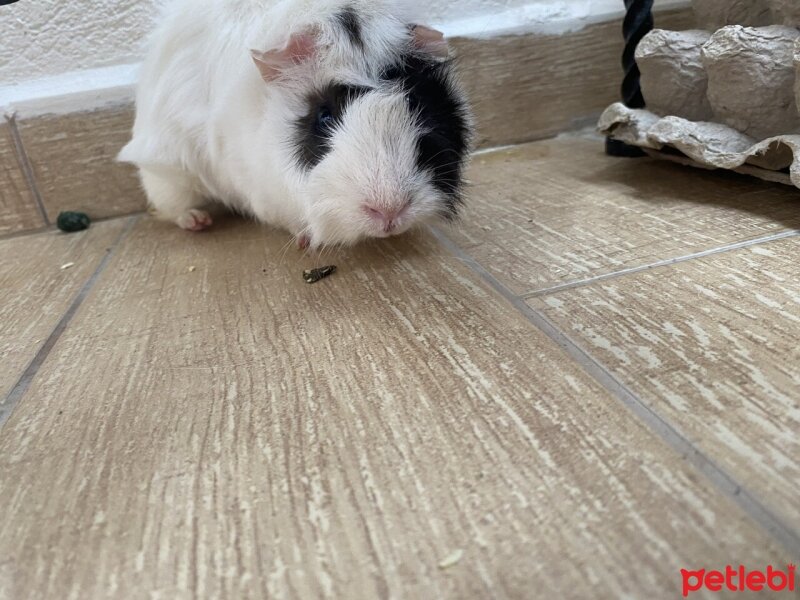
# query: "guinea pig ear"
{"type": "Point", "coordinates": [272, 63]}
{"type": "Point", "coordinates": [430, 41]}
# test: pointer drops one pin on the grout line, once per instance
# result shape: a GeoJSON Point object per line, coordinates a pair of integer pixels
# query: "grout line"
{"type": "Point", "coordinates": [25, 232]}
{"type": "Point", "coordinates": [18, 391]}
{"type": "Point", "coordinates": [724, 482]}
{"type": "Point", "coordinates": [53, 229]}
{"type": "Point", "coordinates": [26, 166]}
{"type": "Point", "coordinates": [662, 263]}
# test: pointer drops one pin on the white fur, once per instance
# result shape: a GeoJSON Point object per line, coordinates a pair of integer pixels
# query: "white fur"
{"type": "Point", "coordinates": [209, 128]}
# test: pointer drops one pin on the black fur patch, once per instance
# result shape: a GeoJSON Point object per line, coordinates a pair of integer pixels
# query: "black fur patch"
{"type": "Point", "coordinates": [441, 150]}
{"type": "Point", "coordinates": [351, 23]}
{"type": "Point", "coordinates": [326, 109]}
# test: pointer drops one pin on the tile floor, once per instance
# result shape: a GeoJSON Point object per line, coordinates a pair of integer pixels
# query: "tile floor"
{"type": "Point", "coordinates": [590, 384]}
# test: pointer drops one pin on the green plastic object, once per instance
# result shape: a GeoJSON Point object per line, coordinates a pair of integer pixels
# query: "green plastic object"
{"type": "Point", "coordinates": [70, 222]}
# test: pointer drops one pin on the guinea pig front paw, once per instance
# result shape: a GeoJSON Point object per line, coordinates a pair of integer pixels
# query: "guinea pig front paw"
{"type": "Point", "coordinates": [303, 242]}
{"type": "Point", "coordinates": [195, 220]}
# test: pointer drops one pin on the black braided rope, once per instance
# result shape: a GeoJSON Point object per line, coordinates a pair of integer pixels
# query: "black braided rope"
{"type": "Point", "coordinates": [638, 23]}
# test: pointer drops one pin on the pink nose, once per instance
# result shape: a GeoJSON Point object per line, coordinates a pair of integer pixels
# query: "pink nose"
{"type": "Point", "coordinates": [386, 217]}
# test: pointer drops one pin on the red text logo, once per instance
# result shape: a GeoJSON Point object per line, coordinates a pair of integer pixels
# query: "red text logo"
{"type": "Point", "coordinates": [739, 580]}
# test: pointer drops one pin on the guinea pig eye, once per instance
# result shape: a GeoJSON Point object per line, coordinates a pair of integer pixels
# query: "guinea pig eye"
{"type": "Point", "coordinates": [324, 117]}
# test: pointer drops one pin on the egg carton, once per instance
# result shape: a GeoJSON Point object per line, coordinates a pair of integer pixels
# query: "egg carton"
{"type": "Point", "coordinates": [725, 96]}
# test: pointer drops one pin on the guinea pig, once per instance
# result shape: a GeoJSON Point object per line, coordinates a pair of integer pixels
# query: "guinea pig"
{"type": "Point", "coordinates": [337, 120]}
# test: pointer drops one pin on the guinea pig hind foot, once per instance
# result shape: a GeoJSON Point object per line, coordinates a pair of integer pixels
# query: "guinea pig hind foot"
{"type": "Point", "coordinates": [173, 197]}
{"type": "Point", "coordinates": [194, 220]}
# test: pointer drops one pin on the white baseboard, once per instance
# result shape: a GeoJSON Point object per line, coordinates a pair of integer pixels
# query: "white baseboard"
{"type": "Point", "coordinates": [71, 92]}
{"type": "Point", "coordinates": [547, 17]}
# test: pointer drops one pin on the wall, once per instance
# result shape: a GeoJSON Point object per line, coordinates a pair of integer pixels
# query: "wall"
{"type": "Point", "coordinates": [49, 37]}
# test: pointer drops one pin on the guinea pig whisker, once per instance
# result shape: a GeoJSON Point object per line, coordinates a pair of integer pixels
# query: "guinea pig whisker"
{"type": "Point", "coordinates": [435, 156]}
{"type": "Point", "coordinates": [427, 163]}
{"type": "Point", "coordinates": [450, 166]}
{"type": "Point", "coordinates": [456, 161]}
{"type": "Point", "coordinates": [285, 251]}
{"type": "Point", "coordinates": [337, 236]}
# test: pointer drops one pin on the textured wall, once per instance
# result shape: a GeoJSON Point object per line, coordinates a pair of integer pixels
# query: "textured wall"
{"type": "Point", "coordinates": [49, 37]}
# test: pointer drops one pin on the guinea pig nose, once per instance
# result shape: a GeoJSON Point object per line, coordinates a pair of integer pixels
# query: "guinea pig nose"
{"type": "Point", "coordinates": [386, 217]}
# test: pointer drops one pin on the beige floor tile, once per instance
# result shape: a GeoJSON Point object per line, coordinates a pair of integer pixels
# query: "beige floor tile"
{"type": "Point", "coordinates": [210, 426]}
{"type": "Point", "coordinates": [18, 211]}
{"type": "Point", "coordinates": [712, 345]}
{"type": "Point", "coordinates": [35, 292]}
{"type": "Point", "coordinates": [553, 212]}
{"type": "Point", "coordinates": [72, 157]}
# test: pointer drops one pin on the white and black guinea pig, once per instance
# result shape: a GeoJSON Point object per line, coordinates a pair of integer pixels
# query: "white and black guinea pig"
{"type": "Point", "coordinates": [337, 120]}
